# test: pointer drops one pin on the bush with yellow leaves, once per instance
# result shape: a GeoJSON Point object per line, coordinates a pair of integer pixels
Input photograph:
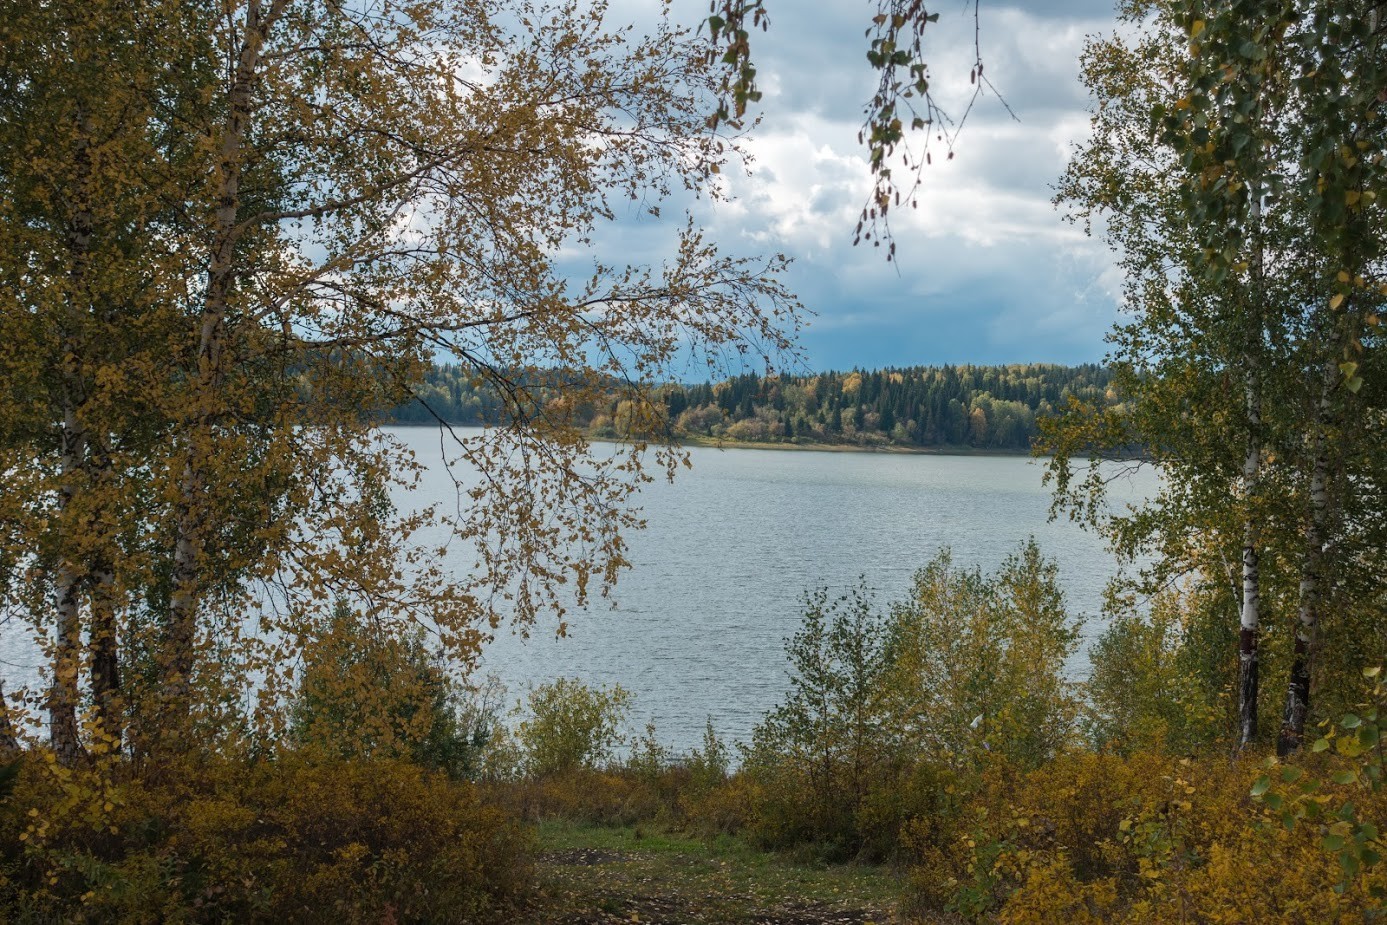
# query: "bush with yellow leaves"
{"type": "Point", "coordinates": [263, 841]}
{"type": "Point", "coordinates": [1150, 838]}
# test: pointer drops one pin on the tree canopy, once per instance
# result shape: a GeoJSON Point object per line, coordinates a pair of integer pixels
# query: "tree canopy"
{"type": "Point", "coordinates": [230, 230]}
{"type": "Point", "coordinates": [1236, 167]}
{"type": "Point", "coordinates": [977, 407]}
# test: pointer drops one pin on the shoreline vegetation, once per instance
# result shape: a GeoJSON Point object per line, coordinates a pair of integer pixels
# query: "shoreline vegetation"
{"type": "Point", "coordinates": [688, 440]}
{"type": "Point", "coordinates": [929, 763]}
{"type": "Point", "coordinates": [951, 410]}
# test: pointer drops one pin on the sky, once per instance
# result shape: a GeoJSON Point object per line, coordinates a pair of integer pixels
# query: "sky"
{"type": "Point", "coordinates": [987, 271]}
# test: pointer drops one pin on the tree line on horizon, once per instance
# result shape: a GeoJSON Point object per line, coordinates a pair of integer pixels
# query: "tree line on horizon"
{"type": "Point", "coordinates": [965, 406]}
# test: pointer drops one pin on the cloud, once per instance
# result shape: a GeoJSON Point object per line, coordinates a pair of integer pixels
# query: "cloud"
{"type": "Point", "coordinates": [987, 271]}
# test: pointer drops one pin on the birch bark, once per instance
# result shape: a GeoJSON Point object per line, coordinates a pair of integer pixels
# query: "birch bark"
{"type": "Point", "coordinates": [179, 656]}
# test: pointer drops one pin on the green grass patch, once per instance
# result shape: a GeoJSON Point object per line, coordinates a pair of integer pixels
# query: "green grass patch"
{"type": "Point", "coordinates": [595, 874]}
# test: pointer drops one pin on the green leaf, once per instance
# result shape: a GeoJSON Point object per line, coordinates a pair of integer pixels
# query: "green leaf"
{"type": "Point", "coordinates": [1333, 842]}
{"type": "Point", "coordinates": [1350, 721]}
{"type": "Point", "coordinates": [1321, 745]}
{"type": "Point", "coordinates": [1261, 785]}
{"type": "Point", "coordinates": [1345, 777]}
{"type": "Point", "coordinates": [1349, 862]}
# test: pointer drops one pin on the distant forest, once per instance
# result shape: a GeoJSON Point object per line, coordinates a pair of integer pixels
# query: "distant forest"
{"type": "Point", "coordinates": [974, 407]}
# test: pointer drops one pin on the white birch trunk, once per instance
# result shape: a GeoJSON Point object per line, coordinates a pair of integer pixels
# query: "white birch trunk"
{"type": "Point", "coordinates": [179, 657]}
{"type": "Point", "coordinates": [64, 696]}
{"type": "Point", "coordinates": [1250, 616]}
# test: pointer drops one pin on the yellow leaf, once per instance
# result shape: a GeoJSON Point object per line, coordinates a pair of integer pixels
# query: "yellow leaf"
{"type": "Point", "coordinates": [1197, 28]}
{"type": "Point", "coordinates": [1337, 300]}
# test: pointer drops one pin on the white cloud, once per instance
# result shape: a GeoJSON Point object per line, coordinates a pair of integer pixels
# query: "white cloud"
{"type": "Point", "coordinates": [987, 270]}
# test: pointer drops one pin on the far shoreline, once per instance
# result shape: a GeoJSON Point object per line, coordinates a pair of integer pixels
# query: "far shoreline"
{"type": "Point", "coordinates": [815, 447]}
{"type": "Point", "coordinates": [716, 443]}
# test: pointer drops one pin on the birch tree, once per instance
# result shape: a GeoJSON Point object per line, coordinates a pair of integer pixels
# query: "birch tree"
{"type": "Point", "coordinates": [1228, 144]}
{"type": "Point", "coordinates": [1326, 178]}
{"type": "Point", "coordinates": [323, 199]}
{"type": "Point", "coordinates": [1193, 343]}
{"type": "Point", "coordinates": [84, 325]}
{"type": "Point", "coordinates": [1242, 246]}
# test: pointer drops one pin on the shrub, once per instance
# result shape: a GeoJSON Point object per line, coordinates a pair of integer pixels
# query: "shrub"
{"type": "Point", "coordinates": [1144, 838]}
{"type": "Point", "coordinates": [919, 804]}
{"type": "Point", "coordinates": [708, 766]}
{"type": "Point", "coordinates": [270, 841]}
{"type": "Point", "coordinates": [977, 662]}
{"type": "Point", "coordinates": [816, 756]}
{"type": "Point", "coordinates": [704, 802]}
{"type": "Point", "coordinates": [888, 716]}
{"type": "Point", "coordinates": [1143, 691]}
{"type": "Point", "coordinates": [366, 693]}
{"type": "Point", "coordinates": [571, 725]}
{"type": "Point", "coordinates": [613, 796]}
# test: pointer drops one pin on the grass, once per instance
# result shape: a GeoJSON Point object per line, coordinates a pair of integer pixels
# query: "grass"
{"type": "Point", "coordinates": [596, 875]}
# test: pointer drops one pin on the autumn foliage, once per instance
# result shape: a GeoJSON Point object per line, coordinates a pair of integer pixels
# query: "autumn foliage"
{"type": "Point", "coordinates": [233, 234]}
{"type": "Point", "coordinates": [282, 839]}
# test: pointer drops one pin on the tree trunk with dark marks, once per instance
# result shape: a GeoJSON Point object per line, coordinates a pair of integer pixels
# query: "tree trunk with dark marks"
{"type": "Point", "coordinates": [63, 694]}
{"type": "Point", "coordinates": [1250, 616]}
{"type": "Point", "coordinates": [105, 659]}
{"type": "Point", "coordinates": [1311, 577]}
{"type": "Point", "coordinates": [179, 656]}
{"type": "Point", "coordinates": [1249, 625]}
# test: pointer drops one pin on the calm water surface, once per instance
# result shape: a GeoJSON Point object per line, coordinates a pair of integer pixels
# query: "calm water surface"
{"type": "Point", "coordinates": [700, 620]}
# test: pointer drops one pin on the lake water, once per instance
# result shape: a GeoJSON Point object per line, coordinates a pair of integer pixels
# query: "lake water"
{"type": "Point", "coordinates": [700, 619]}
